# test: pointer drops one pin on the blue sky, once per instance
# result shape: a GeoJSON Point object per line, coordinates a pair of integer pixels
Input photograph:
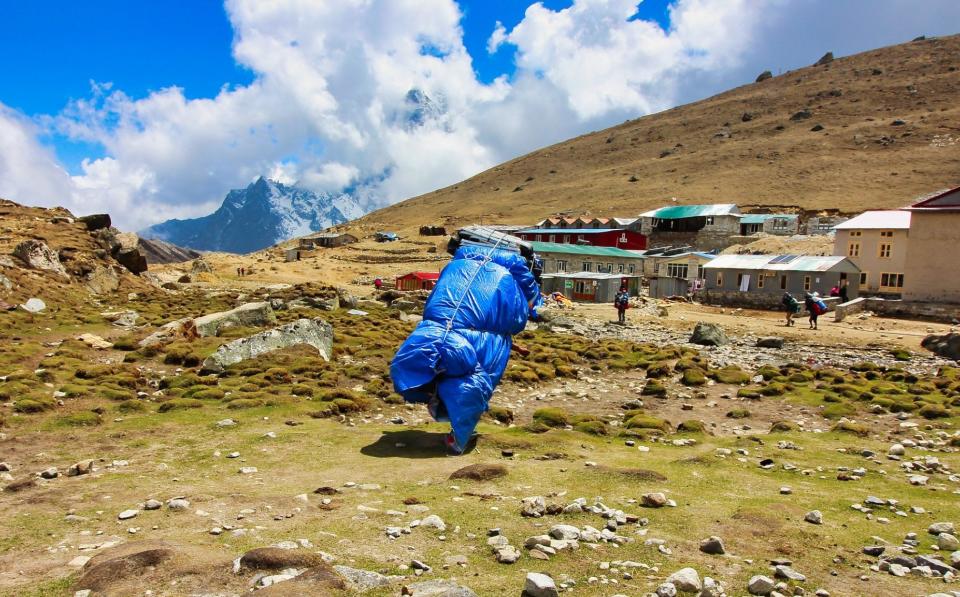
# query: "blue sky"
{"type": "Point", "coordinates": [196, 97]}
{"type": "Point", "coordinates": [51, 51]}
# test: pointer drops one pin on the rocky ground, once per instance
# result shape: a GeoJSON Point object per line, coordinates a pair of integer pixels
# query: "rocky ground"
{"type": "Point", "coordinates": [207, 437]}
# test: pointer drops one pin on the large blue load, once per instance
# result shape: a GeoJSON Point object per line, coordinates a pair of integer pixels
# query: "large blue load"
{"type": "Point", "coordinates": [455, 357]}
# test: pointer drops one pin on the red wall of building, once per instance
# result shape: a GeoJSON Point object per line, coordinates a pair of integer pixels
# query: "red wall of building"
{"type": "Point", "coordinates": [611, 238]}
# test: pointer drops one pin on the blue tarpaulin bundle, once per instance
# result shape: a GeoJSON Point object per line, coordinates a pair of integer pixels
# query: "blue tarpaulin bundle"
{"type": "Point", "coordinates": [459, 351]}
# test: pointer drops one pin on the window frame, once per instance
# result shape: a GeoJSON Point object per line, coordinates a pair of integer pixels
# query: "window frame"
{"type": "Point", "coordinates": [880, 250]}
{"type": "Point", "coordinates": [719, 279]}
{"type": "Point", "coordinates": [586, 266]}
{"type": "Point", "coordinates": [806, 283]}
{"type": "Point", "coordinates": [853, 249]}
{"type": "Point", "coordinates": [561, 265]}
{"type": "Point", "coordinates": [891, 276]}
{"type": "Point", "coordinates": [864, 280]}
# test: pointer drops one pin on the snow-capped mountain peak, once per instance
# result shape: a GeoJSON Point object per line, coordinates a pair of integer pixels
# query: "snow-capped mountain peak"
{"type": "Point", "coordinates": [261, 215]}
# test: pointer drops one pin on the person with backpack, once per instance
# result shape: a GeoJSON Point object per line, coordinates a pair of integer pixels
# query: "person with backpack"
{"type": "Point", "coordinates": [792, 306]}
{"type": "Point", "coordinates": [622, 303]}
{"type": "Point", "coordinates": [815, 307]}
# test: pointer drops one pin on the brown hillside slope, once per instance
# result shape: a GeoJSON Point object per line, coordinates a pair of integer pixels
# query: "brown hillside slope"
{"type": "Point", "coordinates": [740, 146]}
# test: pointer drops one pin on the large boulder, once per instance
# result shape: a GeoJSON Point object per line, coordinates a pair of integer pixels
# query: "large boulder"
{"type": "Point", "coordinates": [101, 280]}
{"type": "Point", "coordinates": [438, 588]}
{"type": "Point", "coordinates": [249, 314]}
{"type": "Point", "coordinates": [132, 260]}
{"type": "Point", "coordinates": [37, 255]}
{"type": "Point", "coordinates": [708, 334]}
{"type": "Point", "coordinates": [944, 345]}
{"type": "Point", "coordinates": [310, 332]}
{"type": "Point", "coordinates": [96, 221]}
{"type": "Point", "coordinates": [168, 332]}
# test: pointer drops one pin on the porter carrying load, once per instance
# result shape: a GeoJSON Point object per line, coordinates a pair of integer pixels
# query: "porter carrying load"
{"type": "Point", "coordinates": [455, 357]}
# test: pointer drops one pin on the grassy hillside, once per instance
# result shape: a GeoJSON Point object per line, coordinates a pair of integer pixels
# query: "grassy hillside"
{"type": "Point", "coordinates": [890, 131]}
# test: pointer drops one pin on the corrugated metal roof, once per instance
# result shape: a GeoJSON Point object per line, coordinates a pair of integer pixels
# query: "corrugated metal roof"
{"type": "Point", "coordinates": [802, 263]}
{"type": "Point", "coordinates": [590, 275]}
{"type": "Point", "coordinates": [761, 218]}
{"type": "Point", "coordinates": [946, 200]}
{"type": "Point", "coordinates": [675, 212]}
{"type": "Point", "coordinates": [582, 250]}
{"type": "Point", "coordinates": [888, 219]}
{"type": "Point", "coordinates": [567, 230]}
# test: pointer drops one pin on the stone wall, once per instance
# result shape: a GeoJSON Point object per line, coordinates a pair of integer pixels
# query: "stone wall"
{"type": "Point", "coordinates": [752, 300]}
{"type": "Point", "coordinates": [900, 309]}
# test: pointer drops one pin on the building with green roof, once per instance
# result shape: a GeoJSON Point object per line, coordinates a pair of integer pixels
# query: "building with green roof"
{"type": "Point", "coordinates": [561, 258]}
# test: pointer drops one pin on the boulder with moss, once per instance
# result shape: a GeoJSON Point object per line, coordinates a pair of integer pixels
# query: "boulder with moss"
{"type": "Point", "coordinates": [310, 332]}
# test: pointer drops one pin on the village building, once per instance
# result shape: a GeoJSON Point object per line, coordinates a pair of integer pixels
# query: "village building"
{"type": "Point", "coordinates": [598, 237]}
{"type": "Point", "coordinates": [761, 280]}
{"type": "Point", "coordinates": [823, 224]}
{"type": "Point", "coordinates": [561, 258]}
{"type": "Point", "coordinates": [776, 224]}
{"type": "Point", "coordinates": [704, 227]}
{"type": "Point", "coordinates": [930, 271]}
{"type": "Point", "coordinates": [877, 242]}
{"type": "Point", "coordinates": [587, 222]}
{"type": "Point", "coordinates": [590, 287]}
{"type": "Point", "coordinates": [327, 240]}
{"type": "Point", "coordinates": [417, 281]}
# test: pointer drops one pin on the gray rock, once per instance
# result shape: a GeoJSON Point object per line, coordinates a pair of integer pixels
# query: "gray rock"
{"type": "Point", "coordinates": [565, 531]}
{"type": "Point", "coordinates": [653, 500]}
{"type": "Point", "coordinates": [533, 507]}
{"type": "Point", "coordinates": [934, 564]}
{"type": "Point", "coordinates": [362, 581]}
{"type": "Point", "coordinates": [310, 332]}
{"type": "Point", "coordinates": [945, 345]}
{"type": "Point", "coordinates": [250, 314]}
{"type": "Point", "coordinates": [33, 305]}
{"type": "Point", "coordinates": [50, 473]}
{"type": "Point", "coordinates": [708, 334]}
{"type": "Point", "coordinates": [686, 580]}
{"type": "Point", "coordinates": [166, 333]}
{"type": "Point", "coordinates": [760, 585]}
{"type": "Point", "coordinates": [178, 504]}
{"type": "Point", "coordinates": [667, 589]}
{"type": "Point", "coordinates": [770, 342]}
{"type": "Point", "coordinates": [435, 522]}
{"type": "Point", "coordinates": [152, 505]}
{"type": "Point", "coordinates": [439, 588]}
{"type": "Point", "coordinates": [941, 527]}
{"type": "Point", "coordinates": [712, 546]}
{"type": "Point", "coordinates": [947, 542]}
{"type": "Point", "coordinates": [814, 517]}
{"type": "Point", "coordinates": [711, 588]}
{"type": "Point", "coordinates": [507, 554]}
{"type": "Point", "coordinates": [788, 573]}
{"type": "Point", "coordinates": [37, 255]}
{"type": "Point", "coordinates": [5, 468]}
{"type": "Point", "coordinates": [539, 585]}
{"type": "Point", "coordinates": [84, 467]}
{"type": "Point", "coordinates": [128, 514]}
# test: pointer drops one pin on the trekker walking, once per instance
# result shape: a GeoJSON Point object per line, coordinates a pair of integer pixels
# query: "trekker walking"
{"type": "Point", "coordinates": [810, 302]}
{"type": "Point", "coordinates": [792, 306]}
{"type": "Point", "coordinates": [378, 285]}
{"type": "Point", "coordinates": [622, 303]}
{"type": "Point", "coordinates": [844, 297]}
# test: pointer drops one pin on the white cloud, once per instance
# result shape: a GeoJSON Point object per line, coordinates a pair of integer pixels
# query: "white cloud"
{"type": "Point", "coordinates": [496, 38]}
{"type": "Point", "coordinates": [329, 105]}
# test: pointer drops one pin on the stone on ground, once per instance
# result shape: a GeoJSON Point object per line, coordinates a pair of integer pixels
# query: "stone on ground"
{"type": "Point", "coordinates": [708, 334]}
{"type": "Point", "coordinates": [249, 314]}
{"type": "Point", "coordinates": [539, 585]}
{"type": "Point", "coordinates": [686, 580]}
{"type": "Point", "coordinates": [760, 585]}
{"type": "Point", "coordinates": [310, 332]}
{"type": "Point", "coordinates": [712, 546]}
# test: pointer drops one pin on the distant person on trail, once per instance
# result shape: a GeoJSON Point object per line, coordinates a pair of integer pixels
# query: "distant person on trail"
{"type": "Point", "coordinates": [835, 291]}
{"type": "Point", "coordinates": [792, 306]}
{"type": "Point", "coordinates": [844, 297]}
{"type": "Point", "coordinates": [378, 284]}
{"type": "Point", "coordinates": [622, 303]}
{"type": "Point", "coordinates": [810, 302]}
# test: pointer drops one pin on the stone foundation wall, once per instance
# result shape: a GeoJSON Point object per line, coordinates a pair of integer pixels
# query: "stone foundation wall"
{"type": "Point", "coordinates": [753, 300]}
{"type": "Point", "coordinates": [943, 312]}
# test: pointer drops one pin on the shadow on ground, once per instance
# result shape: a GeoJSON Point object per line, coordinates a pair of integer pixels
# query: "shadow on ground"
{"type": "Point", "coordinates": [414, 443]}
